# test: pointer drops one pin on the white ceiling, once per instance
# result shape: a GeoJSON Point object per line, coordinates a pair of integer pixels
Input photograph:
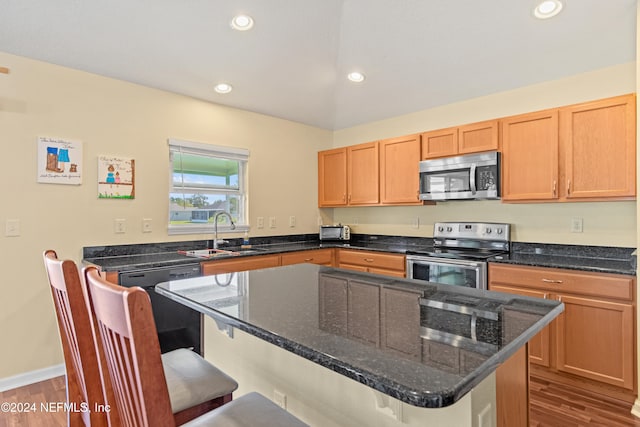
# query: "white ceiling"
{"type": "Point", "coordinates": [417, 54]}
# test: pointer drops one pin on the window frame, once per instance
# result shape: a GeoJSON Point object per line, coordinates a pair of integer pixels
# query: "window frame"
{"type": "Point", "coordinates": [214, 151]}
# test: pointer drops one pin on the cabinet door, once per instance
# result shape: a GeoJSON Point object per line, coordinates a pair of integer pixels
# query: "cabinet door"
{"type": "Point", "coordinates": [332, 177]}
{"type": "Point", "coordinates": [364, 312]}
{"type": "Point", "coordinates": [599, 139]}
{"type": "Point", "coordinates": [242, 264]}
{"type": "Point", "coordinates": [530, 156]}
{"type": "Point", "coordinates": [478, 137]}
{"type": "Point", "coordinates": [363, 174]}
{"type": "Point", "coordinates": [399, 170]}
{"type": "Point", "coordinates": [401, 322]}
{"type": "Point", "coordinates": [595, 339]}
{"type": "Point", "coordinates": [539, 345]}
{"type": "Point", "coordinates": [439, 143]}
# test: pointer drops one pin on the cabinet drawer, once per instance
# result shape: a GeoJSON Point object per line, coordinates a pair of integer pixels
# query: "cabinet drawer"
{"type": "Point", "coordinates": [557, 280]}
{"type": "Point", "coordinates": [243, 264]}
{"type": "Point", "coordinates": [372, 259]}
{"type": "Point", "coordinates": [317, 256]}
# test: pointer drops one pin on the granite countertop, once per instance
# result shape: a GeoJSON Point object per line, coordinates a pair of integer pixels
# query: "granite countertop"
{"type": "Point", "coordinates": [574, 257]}
{"type": "Point", "coordinates": [303, 309]}
{"type": "Point", "coordinates": [599, 259]}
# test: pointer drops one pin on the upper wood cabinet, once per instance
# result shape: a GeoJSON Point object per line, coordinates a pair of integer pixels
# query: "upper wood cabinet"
{"type": "Point", "coordinates": [399, 170]}
{"type": "Point", "coordinates": [530, 156]}
{"type": "Point", "coordinates": [599, 140]}
{"type": "Point", "coordinates": [471, 138]}
{"type": "Point", "coordinates": [579, 152]}
{"type": "Point", "coordinates": [363, 177]}
{"type": "Point", "coordinates": [349, 176]}
{"type": "Point", "coordinates": [332, 177]}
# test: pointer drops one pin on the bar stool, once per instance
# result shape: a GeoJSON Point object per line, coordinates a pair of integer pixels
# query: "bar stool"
{"type": "Point", "coordinates": [125, 327]}
{"type": "Point", "coordinates": [195, 386]}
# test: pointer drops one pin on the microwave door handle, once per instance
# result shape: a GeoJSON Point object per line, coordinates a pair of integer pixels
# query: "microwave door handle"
{"type": "Point", "coordinates": [472, 178]}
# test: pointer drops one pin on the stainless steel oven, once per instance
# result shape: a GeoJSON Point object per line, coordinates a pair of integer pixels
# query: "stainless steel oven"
{"type": "Point", "coordinates": [459, 254]}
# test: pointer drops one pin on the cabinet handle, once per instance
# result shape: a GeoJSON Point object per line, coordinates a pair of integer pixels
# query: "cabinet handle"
{"type": "Point", "coordinates": [545, 296]}
{"type": "Point", "coordinates": [308, 259]}
{"type": "Point", "coordinates": [344, 197]}
{"type": "Point", "coordinates": [555, 184]}
{"type": "Point", "coordinates": [551, 281]}
{"type": "Point", "coordinates": [349, 198]}
{"type": "Point", "coordinates": [568, 187]}
{"type": "Point", "coordinates": [560, 298]}
{"type": "Point", "coordinates": [368, 259]}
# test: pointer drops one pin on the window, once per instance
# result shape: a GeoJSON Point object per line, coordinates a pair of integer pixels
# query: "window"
{"type": "Point", "coordinates": [205, 180]}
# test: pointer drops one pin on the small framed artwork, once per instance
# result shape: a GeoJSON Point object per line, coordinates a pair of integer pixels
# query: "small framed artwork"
{"type": "Point", "coordinates": [59, 161]}
{"type": "Point", "coordinates": [116, 177]}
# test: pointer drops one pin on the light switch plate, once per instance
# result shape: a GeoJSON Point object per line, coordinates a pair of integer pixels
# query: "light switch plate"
{"type": "Point", "coordinates": [119, 226]}
{"type": "Point", "coordinates": [147, 225]}
{"type": "Point", "coordinates": [260, 222]}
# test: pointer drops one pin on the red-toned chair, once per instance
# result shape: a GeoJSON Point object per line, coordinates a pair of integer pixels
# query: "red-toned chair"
{"type": "Point", "coordinates": [84, 385]}
{"type": "Point", "coordinates": [126, 329]}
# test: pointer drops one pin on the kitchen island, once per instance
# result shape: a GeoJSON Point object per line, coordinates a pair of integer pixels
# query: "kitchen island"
{"type": "Point", "coordinates": [340, 348]}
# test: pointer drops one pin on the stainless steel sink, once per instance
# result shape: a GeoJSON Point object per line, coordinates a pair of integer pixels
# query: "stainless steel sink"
{"type": "Point", "coordinates": [216, 253]}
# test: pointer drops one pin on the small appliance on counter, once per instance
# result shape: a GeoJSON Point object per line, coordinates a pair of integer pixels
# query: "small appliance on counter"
{"type": "Point", "coordinates": [335, 232]}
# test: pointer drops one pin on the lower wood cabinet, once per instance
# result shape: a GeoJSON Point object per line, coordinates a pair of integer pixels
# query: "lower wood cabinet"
{"type": "Point", "coordinates": [372, 262]}
{"type": "Point", "coordinates": [595, 337]}
{"type": "Point", "coordinates": [240, 264]}
{"type": "Point", "coordinates": [314, 256]}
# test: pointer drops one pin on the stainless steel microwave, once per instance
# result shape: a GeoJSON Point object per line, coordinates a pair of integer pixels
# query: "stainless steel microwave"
{"type": "Point", "coordinates": [467, 177]}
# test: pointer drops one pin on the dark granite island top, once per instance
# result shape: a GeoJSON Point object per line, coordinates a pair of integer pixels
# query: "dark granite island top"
{"type": "Point", "coordinates": [374, 329]}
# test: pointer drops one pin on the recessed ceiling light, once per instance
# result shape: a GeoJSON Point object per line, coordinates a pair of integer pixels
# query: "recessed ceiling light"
{"type": "Point", "coordinates": [223, 88]}
{"type": "Point", "coordinates": [356, 77]}
{"type": "Point", "coordinates": [547, 9]}
{"type": "Point", "coordinates": [242, 22]}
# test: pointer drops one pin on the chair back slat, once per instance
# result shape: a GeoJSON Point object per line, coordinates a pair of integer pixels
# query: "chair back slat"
{"type": "Point", "coordinates": [84, 384]}
{"type": "Point", "coordinates": [131, 349]}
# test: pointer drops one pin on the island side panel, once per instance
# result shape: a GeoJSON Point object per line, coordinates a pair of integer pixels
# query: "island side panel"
{"type": "Point", "coordinates": [324, 398]}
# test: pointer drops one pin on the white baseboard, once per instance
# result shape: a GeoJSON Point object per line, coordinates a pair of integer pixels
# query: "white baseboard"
{"type": "Point", "coordinates": [31, 377]}
{"type": "Point", "coordinates": [635, 409]}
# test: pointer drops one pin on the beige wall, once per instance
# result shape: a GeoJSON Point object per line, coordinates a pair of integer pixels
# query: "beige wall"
{"type": "Point", "coordinates": [607, 224]}
{"type": "Point", "coordinates": [116, 118]}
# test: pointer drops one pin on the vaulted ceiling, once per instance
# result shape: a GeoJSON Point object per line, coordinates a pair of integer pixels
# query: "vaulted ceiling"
{"type": "Point", "coordinates": [416, 54]}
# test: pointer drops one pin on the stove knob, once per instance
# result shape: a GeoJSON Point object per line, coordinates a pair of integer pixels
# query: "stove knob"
{"type": "Point", "coordinates": [441, 229]}
{"type": "Point", "coordinates": [499, 231]}
{"type": "Point", "coordinates": [449, 229]}
{"type": "Point", "coordinates": [487, 230]}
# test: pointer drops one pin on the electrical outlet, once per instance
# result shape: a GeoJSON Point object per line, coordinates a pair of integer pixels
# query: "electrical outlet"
{"type": "Point", "coordinates": [12, 228]}
{"type": "Point", "coordinates": [292, 221]}
{"type": "Point", "coordinates": [272, 222]}
{"type": "Point", "coordinates": [415, 222]}
{"type": "Point", "coordinates": [119, 226]}
{"type": "Point", "coordinates": [147, 226]}
{"type": "Point", "coordinates": [260, 222]}
{"type": "Point", "coordinates": [280, 399]}
{"type": "Point", "coordinates": [576, 225]}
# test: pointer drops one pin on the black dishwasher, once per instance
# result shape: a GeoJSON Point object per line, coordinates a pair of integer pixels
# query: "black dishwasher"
{"type": "Point", "coordinates": [178, 326]}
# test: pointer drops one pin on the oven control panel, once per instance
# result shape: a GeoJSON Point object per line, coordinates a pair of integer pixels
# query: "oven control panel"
{"type": "Point", "coordinates": [472, 230]}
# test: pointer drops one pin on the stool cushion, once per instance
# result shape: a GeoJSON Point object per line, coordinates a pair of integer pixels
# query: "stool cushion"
{"type": "Point", "coordinates": [191, 380]}
{"type": "Point", "coordinates": [250, 410]}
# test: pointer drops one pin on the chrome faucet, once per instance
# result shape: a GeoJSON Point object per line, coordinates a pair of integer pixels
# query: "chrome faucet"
{"type": "Point", "coordinates": [215, 227]}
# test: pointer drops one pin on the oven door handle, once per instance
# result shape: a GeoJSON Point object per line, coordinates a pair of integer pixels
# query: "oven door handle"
{"type": "Point", "coordinates": [472, 178]}
{"type": "Point", "coordinates": [442, 261]}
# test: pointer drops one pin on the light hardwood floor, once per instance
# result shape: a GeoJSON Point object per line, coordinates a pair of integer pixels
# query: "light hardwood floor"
{"type": "Point", "coordinates": [552, 405]}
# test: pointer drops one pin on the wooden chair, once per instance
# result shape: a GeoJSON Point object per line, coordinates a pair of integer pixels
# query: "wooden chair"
{"type": "Point", "coordinates": [126, 329]}
{"type": "Point", "coordinates": [195, 386]}
{"type": "Point", "coordinates": [84, 385]}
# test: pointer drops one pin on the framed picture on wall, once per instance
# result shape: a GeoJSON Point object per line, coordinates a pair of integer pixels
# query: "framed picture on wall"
{"type": "Point", "coordinates": [116, 177]}
{"type": "Point", "coordinates": [59, 161]}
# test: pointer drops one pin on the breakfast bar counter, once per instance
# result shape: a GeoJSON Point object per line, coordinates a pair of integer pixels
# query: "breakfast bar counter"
{"type": "Point", "coordinates": [422, 344]}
